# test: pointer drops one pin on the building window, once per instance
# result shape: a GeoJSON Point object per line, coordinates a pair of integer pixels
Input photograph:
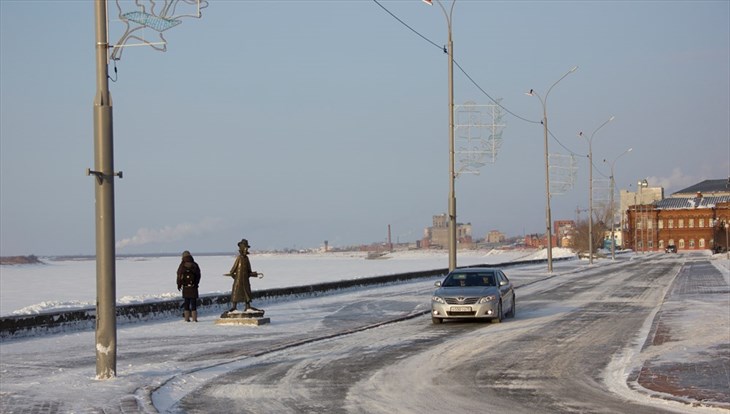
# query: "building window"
{"type": "Point", "coordinates": [671, 223]}
{"type": "Point", "coordinates": [691, 243]}
{"type": "Point", "coordinates": [691, 223]}
{"type": "Point", "coordinates": [661, 244]}
{"type": "Point", "coordinates": [650, 224]}
{"type": "Point", "coordinates": [650, 243]}
{"type": "Point", "coordinates": [702, 223]}
{"type": "Point", "coordinates": [681, 223]}
{"type": "Point", "coordinates": [671, 242]}
{"type": "Point", "coordinates": [681, 244]}
{"type": "Point", "coordinates": [660, 223]}
{"type": "Point", "coordinates": [702, 242]}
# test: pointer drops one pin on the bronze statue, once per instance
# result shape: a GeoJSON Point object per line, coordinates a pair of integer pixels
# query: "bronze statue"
{"type": "Point", "coordinates": [241, 273]}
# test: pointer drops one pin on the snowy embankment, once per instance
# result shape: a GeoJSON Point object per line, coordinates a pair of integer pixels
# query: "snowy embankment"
{"type": "Point", "coordinates": [66, 284]}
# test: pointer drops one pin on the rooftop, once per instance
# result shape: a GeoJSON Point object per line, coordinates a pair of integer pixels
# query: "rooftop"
{"type": "Point", "coordinates": [707, 187]}
{"type": "Point", "coordinates": [676, 203]}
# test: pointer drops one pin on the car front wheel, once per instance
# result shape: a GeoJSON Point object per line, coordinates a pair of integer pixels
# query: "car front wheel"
{"type": "Point", "coordinates": [436, 321]}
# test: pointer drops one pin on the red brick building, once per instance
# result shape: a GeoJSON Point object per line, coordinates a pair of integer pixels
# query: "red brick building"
{"type": "Point", "coordinates": [696, 218]}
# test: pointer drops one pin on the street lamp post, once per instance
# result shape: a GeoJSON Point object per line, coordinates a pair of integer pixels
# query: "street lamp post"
{"type": "Point", "coordinates": [636, 225]}
{"type": "Point", "coordinates": [106, 319]}
{"type": "Point", "coordinates": [642, 184]}
{"type": "Point", "coordinates": [613, 215]}
{"type": "Point", "coordinates": [590, 189]}
{"type": "Point", "coordinates": [727, 240]}
{"type": "Point", "coordinates": [452, 174]}
{"type": "Point", "coordinates": [548, 218]}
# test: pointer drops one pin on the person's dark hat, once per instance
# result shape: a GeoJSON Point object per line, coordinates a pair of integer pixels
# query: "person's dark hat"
{"type": "Point", "coordinates": [186, 253]}
{"type": "Point", "coordinates": [243, 242]}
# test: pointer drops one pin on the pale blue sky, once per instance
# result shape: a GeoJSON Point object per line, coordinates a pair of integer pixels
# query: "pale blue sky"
{"type": "Point", "coordinates": [293, 122]}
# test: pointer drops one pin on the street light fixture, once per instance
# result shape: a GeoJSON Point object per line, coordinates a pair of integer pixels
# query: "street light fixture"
{"type": "Point", "coordinates": [590, 189]}
{"type": "Point", "coordinates": [548, 218]}
{"type": "Point", "coordinates": [452, 174]}
{"type": "Point", "coordinates": [613, 238]}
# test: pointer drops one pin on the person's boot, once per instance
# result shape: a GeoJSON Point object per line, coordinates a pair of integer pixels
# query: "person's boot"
{"type": "Point", "coordinates": [195, 316]}
{"type": "Point", "coordinates": [233, 307]}
{"type": "Point", "coordinates": [186, 314]}
{"type": "Point", "coordinates": [248, 306]}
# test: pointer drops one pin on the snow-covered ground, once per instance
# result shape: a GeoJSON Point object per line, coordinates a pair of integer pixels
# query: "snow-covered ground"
{"type": "Point", "coordinates": [71, 284]}
{"type": "Point", "coordinates": [148, 357]}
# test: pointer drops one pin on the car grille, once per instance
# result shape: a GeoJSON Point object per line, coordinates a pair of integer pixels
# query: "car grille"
{"type": "Point", "coordinates": [461, 301]}
{"type": "Point", "coordinates": [461, 313]}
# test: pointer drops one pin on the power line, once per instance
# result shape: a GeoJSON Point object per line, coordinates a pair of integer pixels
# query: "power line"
{"type": "Point", "coordinates": [496, 102]}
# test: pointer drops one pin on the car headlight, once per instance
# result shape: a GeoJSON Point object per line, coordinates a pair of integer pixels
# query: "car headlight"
{"type": "Point", "coordinates": [437, 299]}
{"type": "Point", "coordinates": [487, 299]}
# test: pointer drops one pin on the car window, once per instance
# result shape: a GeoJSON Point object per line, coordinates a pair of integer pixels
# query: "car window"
{"type": "Point", "coordinates": [455, 279]}
{"type": "Point", "coordinates": [470, 279]}
{"type": "Point", "coordinates": [484, 279]}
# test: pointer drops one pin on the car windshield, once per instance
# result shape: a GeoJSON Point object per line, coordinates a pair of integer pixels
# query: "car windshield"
{"type": "Point", "coordinates": [469, 279]}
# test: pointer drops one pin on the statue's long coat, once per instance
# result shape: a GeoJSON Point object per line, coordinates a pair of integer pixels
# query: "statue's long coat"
{"type": "Point", "coordinates": [241, 272]}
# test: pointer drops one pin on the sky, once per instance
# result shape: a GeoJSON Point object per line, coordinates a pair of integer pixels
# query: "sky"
{"type": "Point", "coordinates": [290, 123]}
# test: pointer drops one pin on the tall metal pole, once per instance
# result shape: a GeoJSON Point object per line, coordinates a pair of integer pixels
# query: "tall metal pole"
{"type": "Point", "coordinates": [590, 200]}
{"type": "Point", "coordinates": [613, 214]}
{"type": "Point", "coordinates": [590, 190]}
{"type": "Point", "coordinates": [106, 321]}
{"type": "Point", "coordinates": [548, 218]}
{"type": "Point", "coordinates": [641, 184]}
{"type": "Point", "coordinates": [548, 215]}
{"type": "Point", "coordinates": [613, 220]}
{"type": "Point", "coordinates": [452, 173]}
{"type": "Point", "coordinates": [636, 226]}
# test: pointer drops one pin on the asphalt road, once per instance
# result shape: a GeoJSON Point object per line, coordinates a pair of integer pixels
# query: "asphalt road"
{"type": "Point", "coordinates": [551, 358]}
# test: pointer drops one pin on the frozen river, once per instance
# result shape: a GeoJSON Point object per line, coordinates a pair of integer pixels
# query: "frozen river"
{"type": "Point", "coordinates": [71, 284]}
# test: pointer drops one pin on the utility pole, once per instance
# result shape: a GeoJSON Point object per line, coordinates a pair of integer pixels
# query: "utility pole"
{"type": "Point", "coordinates": [106, 316]}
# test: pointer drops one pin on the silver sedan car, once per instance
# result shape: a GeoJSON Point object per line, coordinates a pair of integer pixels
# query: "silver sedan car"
{"type": "Point", "coordinates": [477, 292]}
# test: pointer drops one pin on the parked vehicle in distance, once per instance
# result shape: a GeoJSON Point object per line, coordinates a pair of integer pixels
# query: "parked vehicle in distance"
{"type": "Point", "coordinates": [671, 249]}
{"type": "Point", "coordinates": [473, 293]}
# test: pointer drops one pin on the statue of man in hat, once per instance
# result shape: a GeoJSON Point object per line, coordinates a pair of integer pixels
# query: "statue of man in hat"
{"type": "Point", "coordinates": [241, 273]}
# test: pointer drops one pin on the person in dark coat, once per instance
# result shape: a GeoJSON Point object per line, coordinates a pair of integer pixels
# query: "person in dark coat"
{"type": "Point", "coordinates": [241, 273]}
{"type": "Point", "coordinates": [188, 280]}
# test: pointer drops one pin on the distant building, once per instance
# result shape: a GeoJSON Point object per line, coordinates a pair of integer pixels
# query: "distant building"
{"type": "Point", "coordinates": [645, 195]}
{"type": "Point", "coordinates": [437, 236]}
{"type": "Point", "coordinates": [538, 241]}
{"type": "Point", "coordinates": [495, 236]}
{"type": "Point", "coordinates": [695, 218]}
{"type": "Point", "coordinates": [564, 233]}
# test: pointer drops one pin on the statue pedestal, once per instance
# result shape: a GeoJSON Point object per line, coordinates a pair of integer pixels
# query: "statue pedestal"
{"type": "Point", "coordinates": [251, 317]}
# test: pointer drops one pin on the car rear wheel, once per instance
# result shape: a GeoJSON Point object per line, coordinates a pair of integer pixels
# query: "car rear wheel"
{"type": "Point", "coordinates": [436, 321]}
{"type": "Point", "coordinates": [499, 316]}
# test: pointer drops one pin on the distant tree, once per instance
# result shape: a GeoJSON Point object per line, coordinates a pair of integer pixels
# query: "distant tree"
{"type": "Point", "coordinates": [601, 216]}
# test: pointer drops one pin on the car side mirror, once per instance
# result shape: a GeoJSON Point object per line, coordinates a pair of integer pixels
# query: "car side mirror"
{"type": "Point", "coordinates": [437, 284]}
